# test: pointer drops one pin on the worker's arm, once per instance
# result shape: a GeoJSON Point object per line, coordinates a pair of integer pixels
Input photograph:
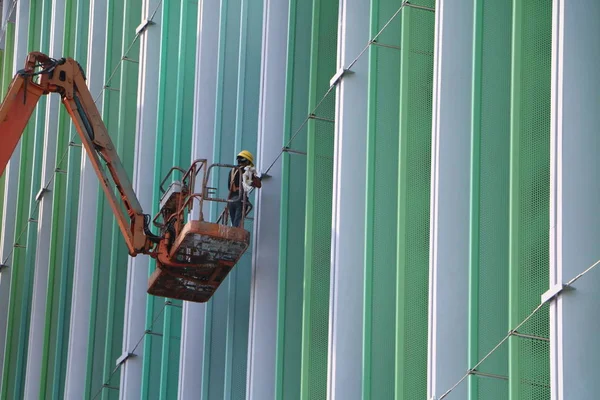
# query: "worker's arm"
{"type": "Point", "coordinates": [256, 182]}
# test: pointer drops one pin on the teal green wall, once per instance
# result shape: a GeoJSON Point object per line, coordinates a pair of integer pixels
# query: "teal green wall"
{"type": "Point", "coordinates": [509, 199]}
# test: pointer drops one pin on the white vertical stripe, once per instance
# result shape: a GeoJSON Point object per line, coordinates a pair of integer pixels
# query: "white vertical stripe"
{"type": "Point", "coordinates": [194, 314]}
{"type": "Point", "coordinates": [263, 298]}
{"type": "Point", "coordinates": [37, 329]}
{"type": "Point", "coordinates": [145, 148]}
{"type": "Point", "coordinates": [86, 220]}
{"type": "Point", "coordinates": [11, 182]}
{"type": "Point", "coordinates": [449, 236]}
{"type": "Point", "coordinates": [348, 213]}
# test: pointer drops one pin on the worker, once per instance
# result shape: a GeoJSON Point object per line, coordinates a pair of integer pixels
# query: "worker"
{"type": "Point", "coordinates": [245, 166]}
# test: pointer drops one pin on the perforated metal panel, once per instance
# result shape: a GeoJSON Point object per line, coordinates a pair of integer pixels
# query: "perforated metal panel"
{"type": "Point", "coordinates": [530, 379]}
{"type": "Point", "coordinates": [382, 204]}
{"type": "Point", "coordinates": [491, 172]}
{"type": "Point", "coordinates": [415, 171]}
{"type": "Point", "coordinates": [293, 202]}
{"type": "Point", "coordinates": [318, 198]}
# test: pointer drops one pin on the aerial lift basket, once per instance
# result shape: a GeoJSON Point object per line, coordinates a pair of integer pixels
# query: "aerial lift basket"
{"type": "Point", "coordinates": [202, 253]}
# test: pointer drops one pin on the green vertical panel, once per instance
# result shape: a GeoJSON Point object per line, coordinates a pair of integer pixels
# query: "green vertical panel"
{"type": "Point", "coordinates": [381, 204]}
{"type": "Point", "coordinates": [293, 204]}
{"type": "Point", "coordinates": [155, 306]}
{"type": "Point", "coordinates": [177, 117]}
{"type": "Point", "coordinates": [124, 123]}
{"type": "Point", "coordinates": [529, 373]}
{"type": "Point", "coordinates": [5, 79]}
{"type": "Point", "coordinates": [23, 257]}
{"type": "Point", "coordinates": [75, 45]}
{"type": "Point", "coordinates": [416, 86]}
{"type": "Point", "coordinates": [224, 151]}
{"type": "Point", "coordinates": [158, 360]}
{"type": "Point", "coordinates": [173, 138]}
{"type": "Point", "coordinates": [61, 242]}
{"type": "Point", "coordinates": [489, 202]}
{"type": "Point", "coordinates": [98, 313]}
{"type": "Point", "coordinates": [246, 125]}
{"type": "Point", "coordinates": [110, 274]}
{"type": "Point", "coordinates": [319, 190]}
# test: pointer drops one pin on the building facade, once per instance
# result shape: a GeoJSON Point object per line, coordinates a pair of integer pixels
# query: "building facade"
{"type": "Point", "coordinates": [427, 226]}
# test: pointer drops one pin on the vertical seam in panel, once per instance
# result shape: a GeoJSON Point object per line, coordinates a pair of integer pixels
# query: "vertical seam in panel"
{"type": "Point", "coordinates": [284, 210]}
{"type": "Point", "coordinates": [514, 196]}
{"type": "Point", "coordinates": [370, 206]}
{"type": "Point", "coordinates": [435, 154]}
{"type": "Point", "coordinates": [476, 100]}
{"type": "Point", "coordinates": [401, 249]}
{"type": "Point", "coordinates": [556, 188]}
{"type": "Point", "coordinates": [309, 227]}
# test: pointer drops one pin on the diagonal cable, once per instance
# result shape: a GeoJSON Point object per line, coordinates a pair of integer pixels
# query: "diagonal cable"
{"type": "Point", "coordinates": [114, 371]}
{"type": "Point", "coordinates": [352, 63]}
{"type": "Point", "coordinates": [511, 332]}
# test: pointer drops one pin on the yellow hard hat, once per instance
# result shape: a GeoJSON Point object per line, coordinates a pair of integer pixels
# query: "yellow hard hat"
{"type": "Point", "coordinates": [247, 155]}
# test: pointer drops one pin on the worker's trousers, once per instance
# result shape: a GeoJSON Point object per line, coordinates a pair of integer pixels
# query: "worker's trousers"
{"type": "Point", "coordinates": [235, 213]}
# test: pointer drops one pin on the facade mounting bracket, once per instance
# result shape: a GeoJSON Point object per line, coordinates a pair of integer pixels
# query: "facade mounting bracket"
{"type": "Point", "coordinates": [338, 75]}
{"type": "Point", "coordinates": [143, 26]}
{"type": "Point", "coordinates": [124, 357]}
{"type": "Point", "coordinates": [554, 291]}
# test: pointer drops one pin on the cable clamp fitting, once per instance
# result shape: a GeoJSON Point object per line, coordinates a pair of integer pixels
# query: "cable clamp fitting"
{"type": "Point", "coordinates": [554, 291]}
{"type": "Point", "coordinates": [143, 26]}
{"type": "Point", "coordinates": [338, 76]}
{"type": "Point", "coordinates": [124, 357]}
{"type": "Point", "coordinates": [41, 193]}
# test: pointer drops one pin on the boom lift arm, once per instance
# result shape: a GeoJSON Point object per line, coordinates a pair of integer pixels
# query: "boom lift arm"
{"type": "Point", "coordinates": [43, 75]}
{"type": "Point", "coordinates": [193, 256]}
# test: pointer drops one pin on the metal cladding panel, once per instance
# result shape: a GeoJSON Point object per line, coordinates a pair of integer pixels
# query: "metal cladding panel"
{"type": "Point", "coordinates": [109, 275]}
{"type": "Point", "coordinates": [64, 219]}
{"type": "Point", "coordinates": [379, 374]}
{"type": "Point", "coordinates": [416, 86]}
{"type": "Point", "coordinates": [319, 202]}
{"type": "Point", "coordinates": [450, 208]}
{"type": "Point", "coordinates": [575, 190]}
{"type": "Point", "coordinates": [6, 234]}
{"type": "Point", "coordinates": [177, 22]}
{"type": "Point", "coordinates": [529, 376]}
{"type": "Point", "coordinates": [293, 201]}
{"type": "Point", "coordinates": [224, 150]}
{"type": "Point", "coordinates": [22, 257]}
{"type": "Point", "coordinates": [236, 124]}
{"type": "Point", "coordinates": [490, 190]}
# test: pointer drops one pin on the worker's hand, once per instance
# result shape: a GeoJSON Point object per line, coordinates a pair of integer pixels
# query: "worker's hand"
{"type": "Point", "coordinates": [256, 182]}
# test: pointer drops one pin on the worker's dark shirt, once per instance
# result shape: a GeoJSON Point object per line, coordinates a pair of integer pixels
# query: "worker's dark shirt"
{"type": "Point", "coordinates": [235, 182]}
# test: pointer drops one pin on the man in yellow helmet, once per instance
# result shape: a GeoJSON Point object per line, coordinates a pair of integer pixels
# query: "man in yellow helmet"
{"type": "Point", "coordinates": [237, 192]}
